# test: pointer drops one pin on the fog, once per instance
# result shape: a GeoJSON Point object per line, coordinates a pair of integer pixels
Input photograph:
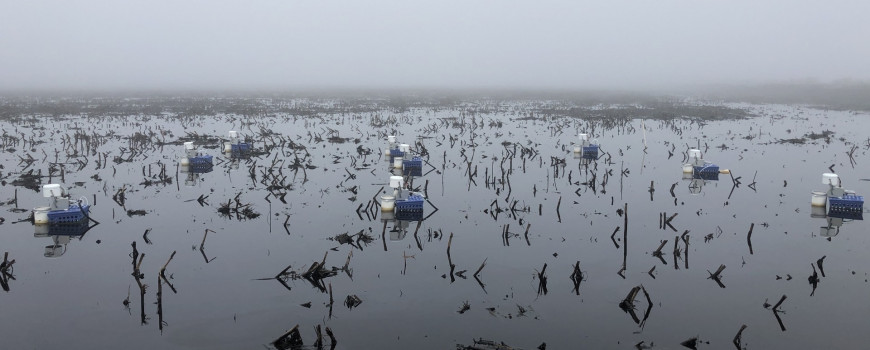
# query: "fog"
{"type": "Point", "coordinates": [231, 45]}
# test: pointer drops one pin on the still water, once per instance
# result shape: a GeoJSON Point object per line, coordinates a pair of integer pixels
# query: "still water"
{"type": "Point", "coordinates": [508, 191]}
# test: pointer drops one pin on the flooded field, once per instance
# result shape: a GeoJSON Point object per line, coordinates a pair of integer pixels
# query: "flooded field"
{"type": "Point", "coordinates": [522, 241]}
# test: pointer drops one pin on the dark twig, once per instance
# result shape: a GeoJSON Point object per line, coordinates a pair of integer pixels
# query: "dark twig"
{"type": "Point", "coordinates": [542, 280]}
{"type": "Point", "coordinates": [819, 263]}
{"type": "Point", "coordinates": [776, 307]}
{"type": "Point", "coordinates": [715, 275]}
{"type": "Point", "coordinates": [480, 268]}
{"type": "Point", "coordinates": [749, 237]}
{"type": "Point", "coordinates": [614, 235]}
{"type": "Point", "coordinates": [738, 338]}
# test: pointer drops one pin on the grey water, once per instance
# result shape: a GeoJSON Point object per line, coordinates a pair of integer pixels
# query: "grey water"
{"type": "Point", "coordinates": [483, 159]}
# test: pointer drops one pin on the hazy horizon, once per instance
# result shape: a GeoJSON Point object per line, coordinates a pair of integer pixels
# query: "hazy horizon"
{"type": "Point", "coordinates": [394, 45]}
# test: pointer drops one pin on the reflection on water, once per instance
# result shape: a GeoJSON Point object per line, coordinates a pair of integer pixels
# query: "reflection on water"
{"type": "Point", "coordinates": [534, 243]}
{"type": "Point", "coordinates": [60, 236]}
{"type": "Point", "coordinates": [834, 220]}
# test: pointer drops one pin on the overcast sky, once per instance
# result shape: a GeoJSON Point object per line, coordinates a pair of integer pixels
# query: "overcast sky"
{"type": "Point", "coordinates": [277, 44]}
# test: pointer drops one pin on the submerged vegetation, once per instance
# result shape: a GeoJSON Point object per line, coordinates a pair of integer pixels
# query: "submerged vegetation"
{"type": "Point", "coordinates": [521, 239]}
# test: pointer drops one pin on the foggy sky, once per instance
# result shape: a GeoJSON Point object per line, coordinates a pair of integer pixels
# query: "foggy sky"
{"type": "Point", "coordinates": [238, 45]}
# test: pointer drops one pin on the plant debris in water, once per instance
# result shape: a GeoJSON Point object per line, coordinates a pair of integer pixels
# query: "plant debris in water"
{"type": "Point", "coordinates": [510, 212]}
